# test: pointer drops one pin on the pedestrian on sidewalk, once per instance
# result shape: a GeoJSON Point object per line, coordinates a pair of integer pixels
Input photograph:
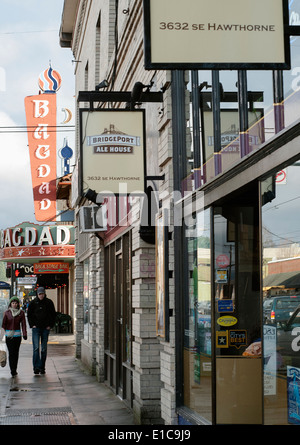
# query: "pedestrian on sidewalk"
{"type": "Point", "coordinates": [41, 318]}
{"type": "Point", "coordinates": [14, 324]}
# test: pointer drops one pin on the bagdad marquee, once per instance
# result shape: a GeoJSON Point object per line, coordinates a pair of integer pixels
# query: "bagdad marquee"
{"type": "Point", "coordinates": [33, 242]}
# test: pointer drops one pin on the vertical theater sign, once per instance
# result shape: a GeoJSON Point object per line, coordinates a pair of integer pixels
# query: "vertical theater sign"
{"type": "Point", "coordinates": [41, 124]}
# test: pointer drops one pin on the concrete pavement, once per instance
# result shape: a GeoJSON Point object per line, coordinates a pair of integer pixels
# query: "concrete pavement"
{"type": "Point", "coordinates": [65, 395]}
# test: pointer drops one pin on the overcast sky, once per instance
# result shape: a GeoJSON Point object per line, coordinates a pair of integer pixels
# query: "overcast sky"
{"type": "Point", "coordinates": [29, 41]}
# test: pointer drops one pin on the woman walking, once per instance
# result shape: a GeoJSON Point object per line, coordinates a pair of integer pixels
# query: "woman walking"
{"type": "Point", "coordinates": [13, 323]}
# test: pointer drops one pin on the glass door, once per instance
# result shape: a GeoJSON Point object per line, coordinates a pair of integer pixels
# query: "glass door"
{"type": "Point", "coordinates": [237, 312]}
{"type": "Point", "coordinates": [118, 317]}
{"type": "Point", "coordinates": [119, 324]}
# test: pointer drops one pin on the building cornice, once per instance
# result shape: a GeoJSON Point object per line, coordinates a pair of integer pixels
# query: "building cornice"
{"type": "Point", "coordinates": [68, 20]}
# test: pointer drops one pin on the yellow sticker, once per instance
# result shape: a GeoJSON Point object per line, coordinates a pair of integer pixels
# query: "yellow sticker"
{"type": "Point", "coordinates": [222, 339]}
{"type": "Point", "coordinates": [227, 320]}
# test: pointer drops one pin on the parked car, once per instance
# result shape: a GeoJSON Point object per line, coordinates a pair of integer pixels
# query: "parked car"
{"type": "Point", "coordinates": [267, 308]}
{"type": "Point", "coordinates": [281, 308]}
{"type": "Point", "coordinates": [288, 339]}
{"type": "Point", "coordinates": [3, 307]}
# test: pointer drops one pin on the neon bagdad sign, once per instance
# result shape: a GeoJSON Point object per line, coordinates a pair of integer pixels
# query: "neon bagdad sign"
{"type": "Point", "coordinates": [41, 124]}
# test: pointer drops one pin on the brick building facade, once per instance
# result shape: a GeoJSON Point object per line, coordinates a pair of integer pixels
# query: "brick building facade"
{"type": "Point", "coordinates": [215, 142]}
{"type": "Point", "coordinates": [94, 29]}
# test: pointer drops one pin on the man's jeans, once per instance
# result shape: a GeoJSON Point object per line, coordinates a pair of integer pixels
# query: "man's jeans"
{"type": "Point", "coordinates": [39, 339]}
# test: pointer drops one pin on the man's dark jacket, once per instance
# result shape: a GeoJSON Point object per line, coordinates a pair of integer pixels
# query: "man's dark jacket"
{"type": "Point", "coordinates": [41, 313]}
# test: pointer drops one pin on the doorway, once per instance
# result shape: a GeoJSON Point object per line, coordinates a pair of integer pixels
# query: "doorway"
{"type": "Point", "coordinates": [118, 369]}
{"type": "Point", "coordinates": [237, 313]}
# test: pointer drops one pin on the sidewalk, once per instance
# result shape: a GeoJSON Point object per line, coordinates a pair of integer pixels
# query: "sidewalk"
{"type": "Point", "coordinates": [65, 395]}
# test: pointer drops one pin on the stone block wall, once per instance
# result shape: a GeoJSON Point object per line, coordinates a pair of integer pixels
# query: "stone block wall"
{"type": "Point", "coordinates": [153, 360]}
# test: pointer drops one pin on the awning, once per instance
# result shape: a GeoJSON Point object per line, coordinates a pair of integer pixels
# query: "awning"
{"type": "Point", "coordinates": [4, 285]}
{"type": "Point", "coordinates": [286, 279]}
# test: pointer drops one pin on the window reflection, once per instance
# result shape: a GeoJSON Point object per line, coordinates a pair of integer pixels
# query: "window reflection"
{"type": "Point", "coordinates": [261, 110]}
{"type": "Point", "coordinates": [291, 82]}
{"type": "Point", "coordinates": [294, 8]}
{"type": "Point", "coordinates": [252, 108]}
{"type": "Point", "coordinates": [197, 338]}
{"type": "Point", "coordinates": [281, 292]}
{"type": "Point", "coordinates": [236, 275]}
{"type": "Point", "coordinates": [212, 153]}
{"type": "Point", "coordinates": [237, 308]}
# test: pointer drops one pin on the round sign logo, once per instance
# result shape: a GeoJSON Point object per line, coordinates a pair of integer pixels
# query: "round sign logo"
{"type": "Point", "coordinates": [222, 260]}
{"type": "Point", "coordinates": [49, 81]}
{"type": "Point", "coordinates": [227, 320]}
{"type": "Point", "coordinates": [281, 176]}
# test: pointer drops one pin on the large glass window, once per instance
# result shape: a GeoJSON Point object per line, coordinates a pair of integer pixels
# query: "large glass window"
{"type": "Point", "coordinates": [237, 309]}
{"type": "Point", "coordinates": [291, 82]}
{"type": "Point", "coordinates": [237, 290]}
{"type": "Point", "coordinates": [231, 114]}
{"type": "Point", "coordinates": [281, 292]}
{"type": "Point", "coordinates": [261, 120]}
{"type": "Point", "coordinates": [291, 78]}
{"type": "Point", "coordinates": [230, 151]}
{"type": "Point", "coordinates": [197, 332]}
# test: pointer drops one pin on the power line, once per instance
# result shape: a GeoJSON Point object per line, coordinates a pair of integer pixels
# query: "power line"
{"type": "Point", "coordinates": [25, 131]}
{"type": "Point", "coordinates": [27, 32]}
{"type": "Point", "coordinates": [281, 203]}
{"type": "Point", "coordinates": [31, 129]}
{"type": "Point", "coordinates": [32, 126]}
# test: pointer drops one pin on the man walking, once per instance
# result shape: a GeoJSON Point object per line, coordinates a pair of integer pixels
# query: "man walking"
{"type": "Point", "coordinates": [41, 318]}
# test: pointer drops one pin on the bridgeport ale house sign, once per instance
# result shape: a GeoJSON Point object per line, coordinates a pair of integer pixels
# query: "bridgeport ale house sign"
{"type": "Point", "coordinates": [34, 242]}
{"type": "Point", "coordinates": [112, 151]}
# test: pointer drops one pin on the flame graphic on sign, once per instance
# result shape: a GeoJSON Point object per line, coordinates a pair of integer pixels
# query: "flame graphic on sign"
{"type": "Point", "coordinates": [49, 81]}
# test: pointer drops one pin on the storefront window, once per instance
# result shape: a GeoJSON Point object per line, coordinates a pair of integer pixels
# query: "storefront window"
{"type": "Point", "coordinates": [224, 268]}
{"type": "Point", "coordinates": [291, 82]}
{"type": "Point", "coordinates": [261, 119]}
{"type": "Point", "coordinates": [237, 309]}
{"type": "Point", "coordinates": [281, 296]}
{"type": "Point", "coordinates": [200, 127]}
{"type": "Point", "coordinates": [206, 170]}
{"type": "Point", "coordinates": [236, 276]}
{"type": "Point", "coordinates": [232, 113]}
{"type": "Point", "coordinates": [197, 333]}
{"type": "Point", "coordinates": [229, 120]}
{"type": "Point", "coordinates": [294, 12]}
{"type": "Point", "coordinates": [291, 78]}
{"type": "Point", "coordinates": [242, 110]}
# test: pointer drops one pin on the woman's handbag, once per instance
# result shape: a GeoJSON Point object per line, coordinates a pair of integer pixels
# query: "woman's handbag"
{"type": "Point", "coordinates": [3, 354]}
